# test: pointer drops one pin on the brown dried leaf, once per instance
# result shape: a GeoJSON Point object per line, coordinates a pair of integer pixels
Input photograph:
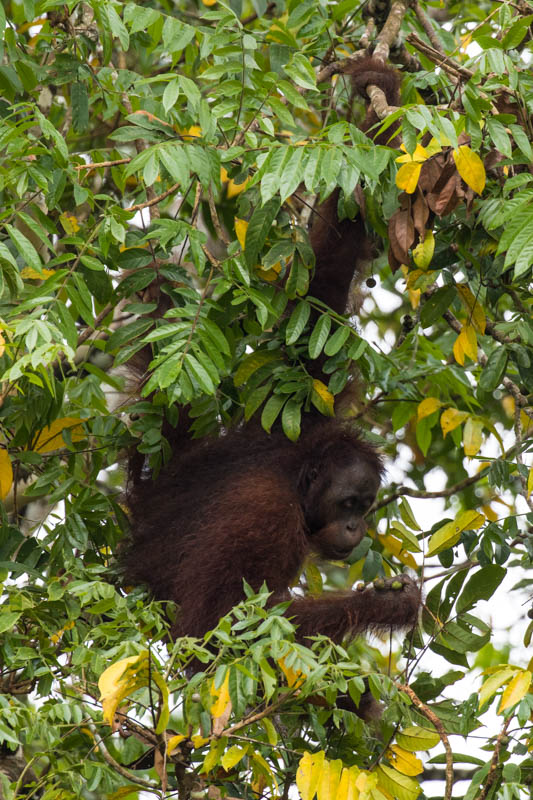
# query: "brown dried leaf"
{"type": "Point", "coordinates": [219, 723]}
{"type": "Point", "coordinates": [160, 766]}
{"type": "Point", "coordinates": [420, 213]}
{"type": "Point", "coordinates": [431, 172]}
{"type": "Point", "coordinates": [393, 261]}
{"type": "Point", "coordinates": [446, 199]}
{"type": "Point", "coordinates": [401, 235]}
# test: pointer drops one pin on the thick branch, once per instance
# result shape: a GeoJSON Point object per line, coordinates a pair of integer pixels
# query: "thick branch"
{"type": "Point", "coordinates": [390, 32]}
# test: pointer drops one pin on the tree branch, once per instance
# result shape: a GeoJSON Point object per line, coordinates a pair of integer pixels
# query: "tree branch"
{"type": "Point", "coordinates": [432, 717]}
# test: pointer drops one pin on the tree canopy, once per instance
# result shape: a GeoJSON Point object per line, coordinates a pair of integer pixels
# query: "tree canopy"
{"type": "Point", "coordinates": [176, 149]}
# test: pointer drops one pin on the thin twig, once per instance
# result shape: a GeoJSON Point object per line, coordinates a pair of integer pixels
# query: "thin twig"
{"type": "Point", "coordinates": [103, 164]}
{"type": "Point", "coordinates": [432, 717]}
{"type": "Point", "coordinates": [447, 63]}
{"type": "Point", "coordinates": [154, 200]}
{"type": "Point", "coordinates": [221, 233]}
{"type": "Point", "coordinates": [492, 774]}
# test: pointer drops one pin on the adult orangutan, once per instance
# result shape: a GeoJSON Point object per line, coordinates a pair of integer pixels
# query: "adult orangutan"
{"type": "Point", "coordinates": [250, 505]}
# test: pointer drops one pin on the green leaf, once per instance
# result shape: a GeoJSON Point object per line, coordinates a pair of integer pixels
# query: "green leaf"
{"type": "Point", "coordinates": [117, 26]}
{"type": "Point", "coordinates": [335, 343]}
{"type": "Point", "coordinates": [171, 94]}
{"type": "Point", "coordinates": [516, 32]}
{"type": "Point", "coordinates": [291, 418]}
{"type": "Point", "coordinates": [80, 106]}
{"type": "Point", "coordinates": [480, 586]}
{"type": "Point", "coordinates": [174, 159]}
{"type": "Point", "coordinates": [319, 335]}
{"type": "Point", "coordinates": [24, 246]}
{"type": "Point", "coordinates": [255, 400]}
{"type": "Point", "coordinates": [199, 374]}
{"type": "Point", "coordinates": [520, 137]}
{"type": "Point", "coordinates": [8, 620]}
{"type": "Point", "coordinates": [292, 174]}
{"type": "Point", "coordinates": [258, 230]}
{"type": "Point", "coordinates": [414, 738]}
{"type": "Point", "coordinates": [251, 363]}
{"type": "Point", "coordinates": [271, 411]}
{"type": "Point", "coordinates": [494, 370]}
{"type": "Point", "coordinates": [301, 71]}
{"type": "Point", "coordinates": [297, 322]}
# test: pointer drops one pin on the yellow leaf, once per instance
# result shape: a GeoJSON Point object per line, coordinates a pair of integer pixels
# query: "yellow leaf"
{"type": "Point", "coordinates": [69, 222]}
{"type": "Point", "coordinates": [222, 698]}
{"type": "Point", "coordinates": [474, 308]}
{"type": "Point", "coordinates": [466, 41]}
{"type": "Point", "coordinates": [58, 635]}
{"type": "Point", "coordinates": [364, 783]}
{"type": "Point", "coordinates": [413, 293]}
{"type": "Point", "coordinates": [423, 252]}
{"type": "Point", "coordinates": [199, 741]}
{"type": "Point", "coordinates": [294, 677]}
{"type": "Point", "coordinates": [124, 791]}
{"type": "Point", "coordinates": [530, 482]}
{"type": "Point", "coordinates": [508, 405]}
{"type": "Point", "coordinates": [329, 779]}
{"type": "Point", "coordinates": [395, 546]}
{"type": "Point", "coordinates": [414, 297]}
{"type": "Point", "coordinates": [173, 743]}
{"type": "Point", "coordinates": [214, 754]}
{"type": "Point", "coordinates": [233, 189]}
{"type": "Point", "coordinates": [50, 438]}
{"type": "Point", "coordinates": [241, 226]}
{"type": "Point", "coordinates": [443, 538]}
{"type": "Point", "coordinates": [490, 514]}
{"type": "Point", "coordinates": [465, 344]}
{"type": "Point", "coordinates": [472, 436]}
{"type": "Point", "coordinates": [450, 533]}
{"type": "Point", "coordinates": [493, 683]}
{"type": "Point", "coordinates": [517, 689]}
{"type": "Point", "coordinates": [414, 738]}
{"type": "Point", "coordinates": [470, 520]}
{"type": "Point", "coordinates": [403, 761]}
{"type": "Point", "coordinates": [420, 154]}
{"type": "Point", "coordinates": [232, 757]}
{"type": "Point", "coordinates": [271, 274]}
{"type": "Point", "coordinates": [428, 406]}
{"type": "Point", "coordinates": [400, 786]}
{"type": "Point", "coordinates": [435, 145]}
{"type": "Point", "coordinates": [31, 274]}
{"type": "Point", "coordinates": [308, 774]}
{"type": "Point", "coordinates": [264, 767]}
{"type": "Point", "coordinates": [2, 345]}
{"type": "Point", "coordinates": [407, 176]}
{"type": "Point", "coordinates": [399, 530]}
{"type": "Point", "coordinates": [194, 132]}
{"type": "Point", "coordinates": [120, 680]}
{"type": "Point", "coordinates": [347, 787]}
{"type": "Point", "coordinates": [6, 473]}
{"type": "Point", "coordinates": [451, 419]}
{"type": "Point", "coordinates": [324, 400]}
{"type": "Point", "coordinates": [470, 168]}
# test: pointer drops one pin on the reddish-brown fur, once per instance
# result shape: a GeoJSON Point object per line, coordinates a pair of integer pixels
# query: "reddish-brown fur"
{"type": "Point", "coordinates": [239, 507]}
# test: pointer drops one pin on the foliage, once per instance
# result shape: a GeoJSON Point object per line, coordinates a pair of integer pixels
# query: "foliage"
{"type": "Point", "coordinates": [180, 144]}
